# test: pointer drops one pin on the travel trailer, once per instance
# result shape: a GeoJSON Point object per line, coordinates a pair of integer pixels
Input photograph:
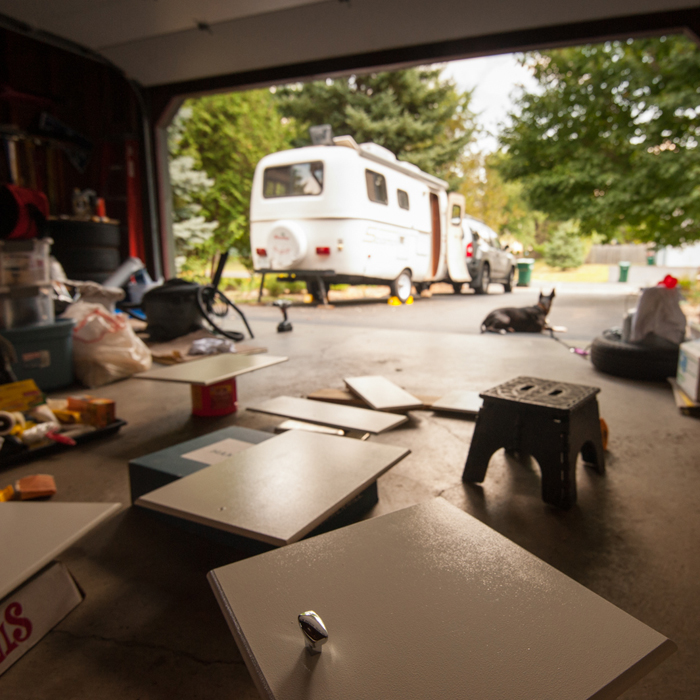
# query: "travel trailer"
{"type": "Point", "coordinates": [354, 214]}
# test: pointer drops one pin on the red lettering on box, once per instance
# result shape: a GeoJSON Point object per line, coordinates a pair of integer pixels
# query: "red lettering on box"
{"type": "Point", "coordinates": [12, 617]}
{"type": "Point", "coordinates": [10, 646]}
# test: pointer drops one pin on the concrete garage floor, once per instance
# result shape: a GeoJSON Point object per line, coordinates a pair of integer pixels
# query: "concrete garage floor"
{"type": "Point", "coordinates": [150, 629]}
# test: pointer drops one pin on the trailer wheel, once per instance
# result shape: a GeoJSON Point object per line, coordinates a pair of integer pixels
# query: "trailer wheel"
{"type": "Point", "coordinates": [314, 289]}
{"type": "Point", "coordinates": [402, 286]}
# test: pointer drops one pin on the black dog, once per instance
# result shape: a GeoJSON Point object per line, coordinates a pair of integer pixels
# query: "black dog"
{"type": "Point", "coordinates": [529, 319]}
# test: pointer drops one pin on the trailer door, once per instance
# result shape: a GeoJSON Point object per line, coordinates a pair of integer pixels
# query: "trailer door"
{"type": "Point", "coordinates": [456, 260]}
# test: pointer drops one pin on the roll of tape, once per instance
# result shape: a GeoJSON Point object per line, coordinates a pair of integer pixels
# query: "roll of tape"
{"type": "Point", "coordinates": [7, 422]}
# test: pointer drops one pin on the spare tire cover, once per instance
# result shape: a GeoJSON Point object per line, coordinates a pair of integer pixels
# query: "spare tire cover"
{"type": "Point", "coordinates": [286, 244]}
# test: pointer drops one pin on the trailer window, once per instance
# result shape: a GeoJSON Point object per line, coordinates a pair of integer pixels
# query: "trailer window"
{"type": "Point", "coordinates": [376, 187]}
{"type": "Point", "coordinates": [300, 179]}
{"type": "Point", "coordinates": [403, 199]}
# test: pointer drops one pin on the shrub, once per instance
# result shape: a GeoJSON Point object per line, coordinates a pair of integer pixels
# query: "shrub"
{"type": "Point", "coordinates": [565, 248]}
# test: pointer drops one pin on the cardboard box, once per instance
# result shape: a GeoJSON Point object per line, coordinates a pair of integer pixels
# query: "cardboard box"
{"type": "Point", "coordinates": [34, 609]}
{"type": "Point", "coordinates": [688, 377]}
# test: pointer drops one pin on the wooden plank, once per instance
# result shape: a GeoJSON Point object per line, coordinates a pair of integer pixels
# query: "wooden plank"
{"type": "Point", "coordinates": [33, 534]}
{"type": "Point", "coordinates": [466, 402]}
{"type": "Point", "coordinates": [279, 490]}
{"type": "Point", "coordinates": [382, 394]}
{"type": "Point", "coordinates": [341, 396]}
{"type": "Point", "coordinates": [428, 602]}
{"type": "Point", "coordinates": [211, 370]}
{"type": "Point", "coordinates": [337, 416]}
{"type": "Point", "coordinates": [684, 403]}
{"type": "Point", "coordinates": [347, 398]}
{"type": "Point", "coordinates": [310, 427]}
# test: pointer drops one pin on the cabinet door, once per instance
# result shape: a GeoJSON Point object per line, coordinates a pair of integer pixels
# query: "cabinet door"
{"type": "Point", "coordinates": [456, 262]}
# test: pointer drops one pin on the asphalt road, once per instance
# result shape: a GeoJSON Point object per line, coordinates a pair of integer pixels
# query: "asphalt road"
{"type": "Point", "coordinates": [584, 309]}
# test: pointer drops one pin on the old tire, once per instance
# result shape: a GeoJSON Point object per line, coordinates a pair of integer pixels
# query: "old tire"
{"type": "Point", "coordinates": [508, 284]}
{"type": "Point", "coordinates": [67, 233]}
{"type": "Point", "coordinates": [612, 355]}
{"type": "Point", "coordinates": [402, 286]}
{"type": "Point", "coordinates": [484, 280]}
{"type": "Point", "coordinates": [94, 259]}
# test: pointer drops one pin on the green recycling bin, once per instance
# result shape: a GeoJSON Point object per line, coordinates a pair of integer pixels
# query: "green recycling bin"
{"type": "Point", "coordinates": [624, 270]}
{"type": "Point", "coordinates": [651, 259]}
{"type": "Point", "coordinates": [525, 268]}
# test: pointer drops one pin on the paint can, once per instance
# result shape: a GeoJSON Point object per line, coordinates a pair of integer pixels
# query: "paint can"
{"type": "Point", "coordinates": [218, 399]}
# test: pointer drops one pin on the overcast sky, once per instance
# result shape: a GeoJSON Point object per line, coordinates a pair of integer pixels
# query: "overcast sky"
{"type": "Point", "coordinates": [493, 79]}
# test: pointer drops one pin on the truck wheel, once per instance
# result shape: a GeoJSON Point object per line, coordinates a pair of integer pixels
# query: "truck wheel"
{"type": "Point", "coordinates": [508, 284]}
{"type": "Point", "coordinates": [484, 281]}
{"type": "Point", "coordinates": [402, 286]}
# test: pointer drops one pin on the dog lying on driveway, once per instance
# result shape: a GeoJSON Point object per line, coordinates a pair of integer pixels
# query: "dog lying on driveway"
{"type": "Point", "coordinates": [528, 319]}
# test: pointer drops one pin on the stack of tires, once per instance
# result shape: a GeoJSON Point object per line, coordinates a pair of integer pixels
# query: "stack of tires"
{"type": "Point", "coordinates": [87, 250]}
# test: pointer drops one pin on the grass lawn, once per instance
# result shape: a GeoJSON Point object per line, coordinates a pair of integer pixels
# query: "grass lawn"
{"type": "Point", "coordinates": [585, 273]}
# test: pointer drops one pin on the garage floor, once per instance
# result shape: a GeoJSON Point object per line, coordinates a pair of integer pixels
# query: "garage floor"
{"type": "Point", "coordinates": [149, 627]}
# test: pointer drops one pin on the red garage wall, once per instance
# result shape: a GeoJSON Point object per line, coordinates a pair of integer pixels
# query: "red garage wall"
{"type": "Point", "coordinates": [96, 102]}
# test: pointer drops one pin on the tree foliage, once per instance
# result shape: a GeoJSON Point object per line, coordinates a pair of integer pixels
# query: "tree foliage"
{"type": "Point", "coordinates": [499, 203]}
{"type": "Point", "coordinates": [417, 115]}
{"type": "Point", "coordinates": [610, 138]}
{"type": "Point", "coordinates": [226, 136]}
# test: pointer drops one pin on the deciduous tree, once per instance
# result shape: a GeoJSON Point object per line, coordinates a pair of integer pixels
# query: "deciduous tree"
{"type": "Point", "coordinates": [610, 138]}
{"type": "Point", "coordinates": [226, 136]}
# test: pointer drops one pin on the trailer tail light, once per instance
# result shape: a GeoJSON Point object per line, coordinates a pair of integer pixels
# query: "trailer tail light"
{"type": "Point", "coordinates": [323, 251]}
{"type": "Point", "coordinates": [261, 252]}
{"type": "Point", "coordinates": [470, 250]}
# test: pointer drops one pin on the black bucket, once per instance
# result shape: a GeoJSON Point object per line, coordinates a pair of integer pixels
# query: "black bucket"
{"type": "Point", "coordinates": [171, 310]}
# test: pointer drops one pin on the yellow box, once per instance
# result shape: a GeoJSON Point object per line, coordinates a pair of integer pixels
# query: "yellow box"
{"type": "Point", "coordinates": [20, 396]}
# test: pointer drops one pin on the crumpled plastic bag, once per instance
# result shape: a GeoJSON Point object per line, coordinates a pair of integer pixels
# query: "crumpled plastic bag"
{"type": "Point", "coordinates": [105, 347]}
{"type": "Point", "coordinates": [211, 346]}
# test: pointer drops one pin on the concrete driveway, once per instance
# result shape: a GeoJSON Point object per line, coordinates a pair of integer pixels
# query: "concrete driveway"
{"type": "Point", "coordinates": [585, 309]}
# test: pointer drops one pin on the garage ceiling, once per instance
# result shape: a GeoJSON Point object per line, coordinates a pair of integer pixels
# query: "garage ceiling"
{"type": "Point", "coordinates": [159, 42]}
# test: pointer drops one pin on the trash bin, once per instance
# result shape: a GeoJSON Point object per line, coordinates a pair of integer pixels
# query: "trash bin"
{"type": "Point", "coordinates": [624, 270]}
{"type": "Point", "coordinates": [525, 267]}
{"type": "Point", "coordinates": [651, 259]}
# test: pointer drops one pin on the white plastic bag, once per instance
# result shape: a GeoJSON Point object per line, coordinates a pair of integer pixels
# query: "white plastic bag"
{"type": "Point", "coordinates": [659, 315]}
{"type": "Point", "coordinates": [105, 347]}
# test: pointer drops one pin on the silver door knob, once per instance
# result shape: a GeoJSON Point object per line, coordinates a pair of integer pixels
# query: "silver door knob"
{"type": "Point", "coordinates": [314, 631]}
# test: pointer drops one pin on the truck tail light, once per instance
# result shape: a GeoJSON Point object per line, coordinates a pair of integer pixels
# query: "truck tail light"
{"type": "Point", "coordinates": [470, 249]}
{"type": "Point", "coordinates": [261, 252]}
{"type": "Point", "coordinates": [323, 251]}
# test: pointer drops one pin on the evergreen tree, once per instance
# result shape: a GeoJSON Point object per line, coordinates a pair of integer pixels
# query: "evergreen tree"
{"type": "Point", "coordinates": [420, 117]}
{"type": "Point", "coordinates": [564, 248]}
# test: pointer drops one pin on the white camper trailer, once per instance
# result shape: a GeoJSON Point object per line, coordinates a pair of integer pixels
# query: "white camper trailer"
{"type": "Point", "coordinates": [353, 214]}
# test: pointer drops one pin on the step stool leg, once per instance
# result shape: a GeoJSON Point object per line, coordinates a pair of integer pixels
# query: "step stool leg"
{"type": "Point", "coordinates": [558, 467]}
{"type": "Point", "coordinates": [587, 436]}
{"type": "Point", "coordinates": [487, 438]}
